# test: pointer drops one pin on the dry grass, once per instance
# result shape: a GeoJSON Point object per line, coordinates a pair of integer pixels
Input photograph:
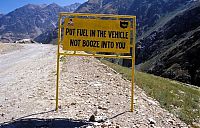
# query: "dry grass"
{"type": "Point", "coordinates": [178, 98]}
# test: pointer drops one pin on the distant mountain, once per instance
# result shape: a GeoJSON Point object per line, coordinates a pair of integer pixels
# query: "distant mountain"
{"type": "Point", "coordinates": [148, 12]}
{"type": "Point", "coordinates": [168, 34]}
{"type": "Point", "coordinates": [105, 6]}
{"type": "Point", "coordinates": [48, 37]}
{"type": "Point", "coordinates": [1, 15]}
{"type": "Point", "coordinates": [72, 7]}
{"type": "Point", "coordinates": [31, 20]}
{"type": "Point", "coordinates": [91, 6]}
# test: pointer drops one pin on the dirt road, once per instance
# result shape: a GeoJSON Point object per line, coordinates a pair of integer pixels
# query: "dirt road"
{"type": "Point", "coordinates": [87, 87]}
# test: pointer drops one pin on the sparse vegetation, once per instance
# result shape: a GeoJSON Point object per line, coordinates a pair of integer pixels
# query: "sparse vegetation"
{"type": "Point", "coordinates": [178, 98]}
{"type": "Point", "coordinates": [63, 59]}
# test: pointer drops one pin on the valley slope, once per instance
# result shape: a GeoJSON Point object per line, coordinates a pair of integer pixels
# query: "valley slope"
{"type": "Point", "coordinates": [30, 21]}
{"type": "Point", "coordinates": [167, 35]}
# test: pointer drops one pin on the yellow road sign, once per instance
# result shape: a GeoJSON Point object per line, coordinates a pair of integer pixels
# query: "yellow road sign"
{"type": "Point", "coordinates": [97, 35]}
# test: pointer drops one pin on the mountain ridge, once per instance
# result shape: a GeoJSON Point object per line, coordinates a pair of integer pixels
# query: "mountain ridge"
{"type": "Point", "coordinates": [29, 21]}
{"type": "Point", "coordinates": [155, 35]}
{"type": "Point", "coordinates": [173, 52]}
{"type": "Point", "coordinates": [1, 15]}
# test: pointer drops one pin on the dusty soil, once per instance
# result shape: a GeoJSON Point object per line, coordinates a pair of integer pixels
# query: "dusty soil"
{"type": "Point", "coordinates": [87, 87]}
{"type": "Point", "coordinates": [9, 47]}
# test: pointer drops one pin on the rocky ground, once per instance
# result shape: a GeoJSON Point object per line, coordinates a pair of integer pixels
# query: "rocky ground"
{"type": "Point", "coordinates": [88, 89]}
{"type": "Point", "coordinates": [8, 47]}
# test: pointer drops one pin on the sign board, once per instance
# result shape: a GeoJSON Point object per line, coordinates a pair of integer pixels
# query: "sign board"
{"type": "Point", "coordinates": [97, 35]}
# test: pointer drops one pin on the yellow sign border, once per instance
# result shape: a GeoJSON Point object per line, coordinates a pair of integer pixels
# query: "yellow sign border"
{"type": "Point", "coordinates": [132, 57]}
{"type": "Point", "coordinates": [104, 42]}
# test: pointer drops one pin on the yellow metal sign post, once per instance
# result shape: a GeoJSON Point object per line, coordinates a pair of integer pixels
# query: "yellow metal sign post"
{"type": "Point", "coordinates": [97, 33]}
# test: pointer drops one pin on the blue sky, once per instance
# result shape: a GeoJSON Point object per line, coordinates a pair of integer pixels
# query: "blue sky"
{"type": "Point", "coordinates": [7, 6]}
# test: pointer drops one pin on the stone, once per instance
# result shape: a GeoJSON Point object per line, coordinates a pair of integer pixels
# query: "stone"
{"type": "Point", "coordinates": [107, 123]}
{"type": "Point", "coordinates": [142, 126]}
{"type": "Point", "coordinates": [2, 114]}
{"type": "Point", "coordinates": [96, 124]}
{"type": "Point", "coordinates": [92, 118]}
{"type": "Point", "coordinates": [170, 121]}
{"type": "Point", "coordinates": [73, 103]}
{"type": "Point", "coordinates": [98, 119]}
{"type": "Point", "coordinates": [181, 92]}
{"type": "Point", "coordinates": [107, 102]}
{"type": "Point", "coordinates": [151, 102]}
{"type": "Point", "coordinates": [117, 126]}
{"type": "Point", "coordinates": [89, 127]}
{"type": "Point", "coordinates": [196, 124]}
{"type": "Point", "coordinates": [59, 106]}
{"type": "Point", "coordinates": [151, 121]}
{"type": "Point", "coordinates": [102, 108]}
{"type": "Point", "coordinates": [109, 74]}
{"type": "Point", "coordinates": [30, 96]}
{"type": "Point", "coordinates": [97, 76]}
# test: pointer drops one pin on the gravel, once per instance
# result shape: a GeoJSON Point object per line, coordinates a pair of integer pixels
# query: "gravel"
{"type": "Point", "coordinates": [87, 87]}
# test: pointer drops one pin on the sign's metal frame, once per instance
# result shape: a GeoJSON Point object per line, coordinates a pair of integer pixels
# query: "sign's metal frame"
{"type": "Point", "coordinates": [132, 57]}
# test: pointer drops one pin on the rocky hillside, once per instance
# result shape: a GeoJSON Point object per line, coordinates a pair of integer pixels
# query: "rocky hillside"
{"type": "Point", "coordinates": [143, 9]}
{"type": "Point", "coordinates": [91, 6]}
{"type": "Point", "coordinates": [172, 50]}
{"type": "Point", "coordinates": [30, 21]}
{"type": "Point", "coordinates": [72, 7]}
{"type": "Point", "coordinates": [167, 34]}
{"type": "Point", "coordinates": [148, 12]}
{"type": "Point", "coordinates": [48, 37]}
{"type": "Point", "coordinates": [105, 6]}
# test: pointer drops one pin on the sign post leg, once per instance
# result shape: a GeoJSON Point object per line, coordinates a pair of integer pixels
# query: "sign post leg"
{"type": "Point", "coordinates": [132, 84]}
{"type": "Point", "coordinates": [57, 81]}
{"type": "Point", "coordinates": [58, 62]}
{"type": "Point", "coordinates": [133, 65]}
